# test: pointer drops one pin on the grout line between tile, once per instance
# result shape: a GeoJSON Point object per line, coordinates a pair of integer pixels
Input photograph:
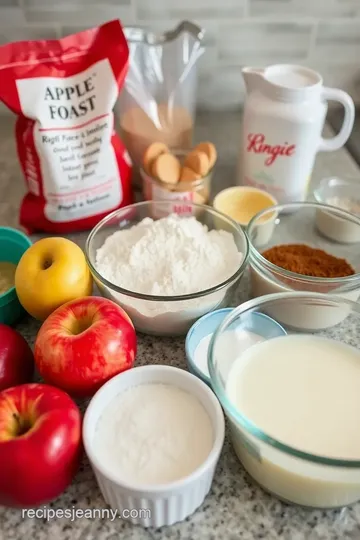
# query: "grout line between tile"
{"type": "Point", "coordinates": [285, 19]}
{"type": "Point", "coordinates": [133, 11]}
{"type": "Point", "coordinates": [312, 43]}
{"type": "Point", "coordinates": [246, 9]}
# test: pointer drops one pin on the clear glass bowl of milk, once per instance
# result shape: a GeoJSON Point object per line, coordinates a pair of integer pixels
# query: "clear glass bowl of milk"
{"type": "Point", "coordinates": [293, 401]}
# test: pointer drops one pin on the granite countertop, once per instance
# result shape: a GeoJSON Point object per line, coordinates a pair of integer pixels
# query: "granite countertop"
{"type": "Point", "coordinates": [235, 507]}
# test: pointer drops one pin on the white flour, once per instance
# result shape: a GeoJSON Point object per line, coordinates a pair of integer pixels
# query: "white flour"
{"type": "Point", "coordinates": [153, 434]}
{"type": "Point", "coordinates": [167, 257]}
{"type": "Point", "coordinates": [170, 256]}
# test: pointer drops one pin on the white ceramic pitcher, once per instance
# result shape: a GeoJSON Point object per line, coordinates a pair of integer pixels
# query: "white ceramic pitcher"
{"type": "Point", "coordinates": [284, 115]}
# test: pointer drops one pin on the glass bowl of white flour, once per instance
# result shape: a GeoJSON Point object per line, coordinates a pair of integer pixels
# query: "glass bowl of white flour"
{"type": "Point", "coordinates": [167, 272]}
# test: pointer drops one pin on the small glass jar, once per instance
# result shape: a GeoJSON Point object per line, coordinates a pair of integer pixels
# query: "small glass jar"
{"type": "Point", "coordinates": [177, 195]}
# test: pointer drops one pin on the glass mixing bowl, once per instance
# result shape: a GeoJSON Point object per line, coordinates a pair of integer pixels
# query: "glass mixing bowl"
{"type": "Point", "coordinates": [302, 223]}
{"type": "Point", "coordinates": [165, 315]}
{"type": "Point", "coordinates": [289, 472]}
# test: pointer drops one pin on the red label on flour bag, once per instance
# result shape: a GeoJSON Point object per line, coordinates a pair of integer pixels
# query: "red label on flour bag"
{"type": "Point", "coordinates": [76, 167]}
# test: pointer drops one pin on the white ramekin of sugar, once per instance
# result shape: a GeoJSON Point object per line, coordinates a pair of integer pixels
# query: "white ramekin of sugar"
{"type": "Point", "coordinates": [154, 471]}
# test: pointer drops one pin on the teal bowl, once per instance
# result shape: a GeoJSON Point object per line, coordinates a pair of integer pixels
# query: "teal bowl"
{"type": "Point", "coordinates": [13, 244]}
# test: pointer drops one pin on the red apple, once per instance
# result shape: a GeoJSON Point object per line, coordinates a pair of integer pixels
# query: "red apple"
{"type": "Point", "coordinates": [84, 343]}
{"type": "Point", "coordinates": [16, 358]}
{"type": "Point", "coordinates": [40, 444]}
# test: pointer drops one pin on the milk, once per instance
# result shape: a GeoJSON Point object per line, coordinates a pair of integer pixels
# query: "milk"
{"type": "Point", "coordinates": [302, 390]}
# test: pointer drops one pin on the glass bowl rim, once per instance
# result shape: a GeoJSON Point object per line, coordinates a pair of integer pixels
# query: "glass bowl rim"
{"type": "Point", "coordinates": [229, 281]}
{"type": "Point", "coordinates": [230, 409]}
{"type": "Point", "coordinates": [340, 182]}
{"type": "Point", "coordinates": [255, 255]}
{"type": "Point", "coordinates": [193, 328]}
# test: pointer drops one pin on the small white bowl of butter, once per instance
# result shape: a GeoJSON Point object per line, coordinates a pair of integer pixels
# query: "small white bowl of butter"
{"type": "Point", "coordinates": [153, 435]}
{"type": "Point", "coordinates": [242, 203]}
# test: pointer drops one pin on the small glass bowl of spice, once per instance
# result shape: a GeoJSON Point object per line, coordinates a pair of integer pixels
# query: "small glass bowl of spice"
{"type": "Point", "coordinates": [179, 176]}
{"type": "Point", "coordinates": [343, 193]}
{"type": "Point", "coordinates": [299, 257]}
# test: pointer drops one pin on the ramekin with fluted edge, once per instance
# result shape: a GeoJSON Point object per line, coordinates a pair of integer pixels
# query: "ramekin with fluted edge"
{"type": "Point", "coordinates": [161, 504]}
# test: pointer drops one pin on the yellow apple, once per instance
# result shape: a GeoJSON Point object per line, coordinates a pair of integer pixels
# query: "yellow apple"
{"type": "Point", "coordinates": [51, 272]}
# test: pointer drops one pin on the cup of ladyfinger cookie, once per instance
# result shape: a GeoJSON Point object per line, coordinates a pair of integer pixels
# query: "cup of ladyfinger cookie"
{"type": "Point", "coordinates": [178, 176]}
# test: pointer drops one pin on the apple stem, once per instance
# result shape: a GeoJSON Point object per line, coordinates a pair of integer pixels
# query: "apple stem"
{"type": "Point", "coordinates": [47, 263]}
{"type": "Point", "coordinates": [16, 417]}
{"type": "Point", "coordinates": [21, 426]}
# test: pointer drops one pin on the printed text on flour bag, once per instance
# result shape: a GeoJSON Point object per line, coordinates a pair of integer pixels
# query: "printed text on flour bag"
{"type": "Point", "coordinates": [73, 139]}
{"type": "Point", "coordinates": [64, 91]}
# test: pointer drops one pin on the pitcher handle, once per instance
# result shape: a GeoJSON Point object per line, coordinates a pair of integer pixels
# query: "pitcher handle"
{"type": "Point", "coordinates": [334, 143]}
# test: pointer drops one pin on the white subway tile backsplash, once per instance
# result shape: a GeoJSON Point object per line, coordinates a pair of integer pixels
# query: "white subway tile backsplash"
{"type": "Point", "coordinates": [68, 30]}
{"type": "Point", "coordinates": [209, 61]}
{"type": "Point", "coordinates": [148, 10]}
{"type": "Point", "coordinates": [77, 16]}
{"type": "Point", "coordinates": [344, 76]}
{"type": "Point", "coordinates": [211, 32]}
{"type": "Point", "coordinates": [54, 4]}
{"type": "Point", "coordinates": [11, 16]}
{"type": "Point", "coordinates": [250, 43]}
{"type": "Point", "coordinates": [324, 34]}
{"type": "Point", "coordinates": [352, 7]}
{"type": "Point", "coordinates": [211, 28]}
{"type": "Point", "coordinates": [307, 8]}
{"type": "Point", "coordinates": [270, 8]}
{"type": "Point", "coordinates": [337, 41]}
{"type": "Point", "coordinates": [221, 88]}
{"type": "Point", "coordinates": [28, 33]}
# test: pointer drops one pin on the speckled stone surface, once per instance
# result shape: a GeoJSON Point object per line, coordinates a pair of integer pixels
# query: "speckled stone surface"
{"type": "Point", "coordinates": [235, 508]}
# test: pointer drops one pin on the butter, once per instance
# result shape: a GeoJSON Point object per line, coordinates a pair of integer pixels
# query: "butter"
{"type": "Point", "coordinates": [242, 204]}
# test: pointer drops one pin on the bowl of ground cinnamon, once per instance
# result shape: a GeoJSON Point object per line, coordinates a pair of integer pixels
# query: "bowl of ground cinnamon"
{"type": "Point", "coordinates": [308, 261]}
{"type": "Point", "coordinates": [298, 257]}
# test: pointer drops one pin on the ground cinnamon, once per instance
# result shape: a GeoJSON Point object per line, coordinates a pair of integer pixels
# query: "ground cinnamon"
{"type": "Point", "coordinates": [308, 261]}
